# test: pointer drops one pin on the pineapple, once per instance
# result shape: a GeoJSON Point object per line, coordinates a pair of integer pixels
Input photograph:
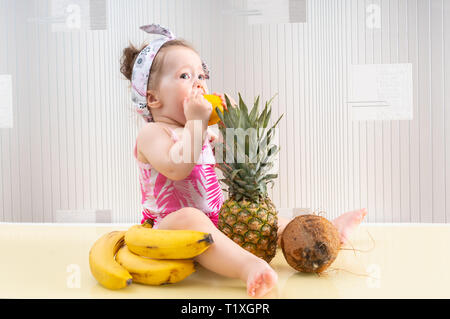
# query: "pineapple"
{"type": "Point", "coordinates": [248, 216]}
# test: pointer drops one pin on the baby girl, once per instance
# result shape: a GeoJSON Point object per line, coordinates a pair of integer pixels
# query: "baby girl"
{"type": "Point", "coordinates": [168, 81]}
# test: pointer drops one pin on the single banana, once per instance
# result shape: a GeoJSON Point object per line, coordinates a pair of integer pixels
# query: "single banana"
{"type": "Point", "coordinates": [102, 264]}
{"type": "Point", "coordinates": [165, 243]}
{"type": "Point", "coordinates": [154, 271]}
{"type": "Point", "coordinates": [215, 102]}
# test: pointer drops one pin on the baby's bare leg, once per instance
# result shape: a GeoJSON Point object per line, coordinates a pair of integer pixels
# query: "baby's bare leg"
{"type": "Point", "coordinates": [224, 257]}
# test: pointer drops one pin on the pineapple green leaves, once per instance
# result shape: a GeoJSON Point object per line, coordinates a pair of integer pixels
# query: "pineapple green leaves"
{"type": "Point", "coordinates": [246, 161]}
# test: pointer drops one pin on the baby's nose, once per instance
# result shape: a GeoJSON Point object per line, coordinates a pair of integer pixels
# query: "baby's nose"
{"type": "Point", "coordinates": [200, 87]}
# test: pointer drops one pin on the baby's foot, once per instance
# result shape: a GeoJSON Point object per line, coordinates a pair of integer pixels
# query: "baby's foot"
{"type": "Point", "coordinates": [261, 278]}
{"type": "Point", "coordinates": [347, 222]}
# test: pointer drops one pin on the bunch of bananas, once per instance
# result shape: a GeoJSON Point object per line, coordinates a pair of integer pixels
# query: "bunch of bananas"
{"type": "Point", "coordinates": [146, 255]}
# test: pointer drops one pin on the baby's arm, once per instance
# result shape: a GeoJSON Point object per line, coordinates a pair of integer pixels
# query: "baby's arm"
{"type": "Point", "coordinates": [166, 156]}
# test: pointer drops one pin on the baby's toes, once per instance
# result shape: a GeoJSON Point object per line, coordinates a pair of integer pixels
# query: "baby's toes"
{"type": "Point", "coordinates": [252, 289]}
{"type": "Point", "coordinates": [257, 282]}
{"type": "Point", "coordinates": [254, 284]}
{"type": "Point", "coordinates": [362, 213]}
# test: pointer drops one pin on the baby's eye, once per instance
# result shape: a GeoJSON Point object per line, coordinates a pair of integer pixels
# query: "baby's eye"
{"type": "Point", "coordinates": [183, 74]}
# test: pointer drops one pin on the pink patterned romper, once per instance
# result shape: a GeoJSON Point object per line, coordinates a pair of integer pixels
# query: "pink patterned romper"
{"type": "Point", "coordinates": [201, 189]}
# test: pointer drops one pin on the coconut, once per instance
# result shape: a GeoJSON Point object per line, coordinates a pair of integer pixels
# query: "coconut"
{"type": "Point", "coordinates": [310, 243]}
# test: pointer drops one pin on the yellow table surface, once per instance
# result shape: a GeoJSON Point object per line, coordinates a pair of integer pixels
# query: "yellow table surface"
{"type": "Point", "coordinates": [402, 261]}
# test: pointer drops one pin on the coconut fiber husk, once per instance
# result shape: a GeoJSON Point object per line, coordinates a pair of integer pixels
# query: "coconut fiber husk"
{"type": "Point", "coordinates": [310, 243]}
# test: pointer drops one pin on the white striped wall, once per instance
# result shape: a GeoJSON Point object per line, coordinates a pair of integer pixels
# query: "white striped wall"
{"type": "Point", "coordinates": [71, 144]}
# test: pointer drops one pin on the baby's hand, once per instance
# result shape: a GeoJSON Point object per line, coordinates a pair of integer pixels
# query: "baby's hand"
{"type": "Point", "coordinates": [224, 103]}
{"type": "Point", "coordinates": [196, 107]}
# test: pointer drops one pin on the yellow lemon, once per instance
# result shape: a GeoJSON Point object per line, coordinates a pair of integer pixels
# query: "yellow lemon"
{"type": "Point", "coordinates": [216, 102]}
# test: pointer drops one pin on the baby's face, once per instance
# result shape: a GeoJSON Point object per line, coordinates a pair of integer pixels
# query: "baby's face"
{"type": "Point", "coordinates": [182, 73]}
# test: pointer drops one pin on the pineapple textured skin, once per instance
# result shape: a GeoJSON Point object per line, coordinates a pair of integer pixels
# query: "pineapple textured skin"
{"type": "Point", "coordinates": [251, 225]}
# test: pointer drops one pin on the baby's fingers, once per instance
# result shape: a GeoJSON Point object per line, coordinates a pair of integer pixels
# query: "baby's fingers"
{"type": "Point", "coordinates": [222, 99]}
